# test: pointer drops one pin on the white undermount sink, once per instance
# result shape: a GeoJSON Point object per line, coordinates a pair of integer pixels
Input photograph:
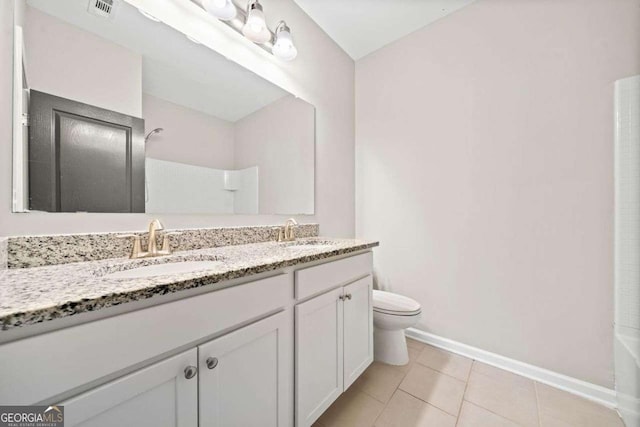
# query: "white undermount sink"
{"type": "Point", "coordinates": [164, 269]}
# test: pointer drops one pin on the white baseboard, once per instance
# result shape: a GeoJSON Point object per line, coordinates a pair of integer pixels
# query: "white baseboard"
{"type": "Point", "coordinates": [581, 388]}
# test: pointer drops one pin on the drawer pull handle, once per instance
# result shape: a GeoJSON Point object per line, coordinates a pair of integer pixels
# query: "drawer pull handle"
{"type": "Point", "coordinates": [211, 362]}
{"type": "Point", "coordinates": [190, 372]}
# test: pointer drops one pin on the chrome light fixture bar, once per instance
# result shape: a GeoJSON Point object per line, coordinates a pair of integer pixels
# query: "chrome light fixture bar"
{"type": "Point", "coordinates": [251, 23]}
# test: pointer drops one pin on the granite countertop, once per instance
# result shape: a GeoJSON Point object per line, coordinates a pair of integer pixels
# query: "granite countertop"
{"type": "Point", "coordinates": [34, 295]}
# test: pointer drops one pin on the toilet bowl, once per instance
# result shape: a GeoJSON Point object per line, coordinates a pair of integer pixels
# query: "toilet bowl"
{"type": "Point", "coordinates": [392, 314]}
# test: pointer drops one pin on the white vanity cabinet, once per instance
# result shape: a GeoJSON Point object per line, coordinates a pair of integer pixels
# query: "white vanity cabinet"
{"type": "Point", "coordinates": [246, 377]}
{"type": "Point", "coordinates": [334, 333]}
{"type": "Point", "coordinates": [272, 352]}
{"type": "Point", "coordinates": [164, 394]}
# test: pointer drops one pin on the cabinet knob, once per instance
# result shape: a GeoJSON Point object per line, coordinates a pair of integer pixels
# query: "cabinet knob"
{"type": "Point", "coordinates": [211, 362]}
{"type": "Point", "coordinates": [341, 297]}
{"type": "Point", "coordinates": [348, 296]}
{"type": "Point", "coordinates": [190, 372]}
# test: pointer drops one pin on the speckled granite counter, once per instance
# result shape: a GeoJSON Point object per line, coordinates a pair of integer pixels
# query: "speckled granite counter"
{"type": "Point", "coordinates": [3, 253]}
{"type": "Point", "coordinates": [39, 251]}
{"type": "Point", "coordinates": [34, 295]}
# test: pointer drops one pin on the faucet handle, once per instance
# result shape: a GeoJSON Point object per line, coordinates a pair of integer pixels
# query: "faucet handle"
{"type": "Point", "coordinates": [166, 241]}
{"type": "Point", "coordinates": [137, 247]}
{"type": "Point", "coordinates": [280, 231]}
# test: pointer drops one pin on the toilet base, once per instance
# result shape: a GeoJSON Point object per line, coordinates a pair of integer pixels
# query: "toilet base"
{"type": "Point", "coordinates": [390, 346]}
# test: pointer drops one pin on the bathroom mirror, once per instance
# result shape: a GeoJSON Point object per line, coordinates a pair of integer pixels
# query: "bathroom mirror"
{"type": "Point", "coordinates": [117, 112]}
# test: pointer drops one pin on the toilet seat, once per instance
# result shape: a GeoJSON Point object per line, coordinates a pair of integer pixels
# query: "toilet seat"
{"type": "Point", "coordinates": [394, 304]}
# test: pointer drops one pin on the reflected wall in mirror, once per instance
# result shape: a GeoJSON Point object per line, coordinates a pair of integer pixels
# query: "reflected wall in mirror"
{"type": "Point", "coordinates": [125, 114]}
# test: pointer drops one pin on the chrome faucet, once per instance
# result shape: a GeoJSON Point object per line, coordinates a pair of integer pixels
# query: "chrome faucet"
{"type": "Point", "coordinates": [286, 234]}
{"type": "Point", "coordinates": [152, 249]}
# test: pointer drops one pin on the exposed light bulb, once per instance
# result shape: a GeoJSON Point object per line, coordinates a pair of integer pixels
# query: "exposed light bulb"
{"type": "Point", "coordinates": [224, 10]}
{"type": "Point", "coordinates": [283, 48]}
{"type": "Point", "coordinates": [255, 28]}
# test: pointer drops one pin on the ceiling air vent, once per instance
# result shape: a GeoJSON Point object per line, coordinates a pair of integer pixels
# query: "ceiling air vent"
{"type": "Point", "coordinates": [101, 8]}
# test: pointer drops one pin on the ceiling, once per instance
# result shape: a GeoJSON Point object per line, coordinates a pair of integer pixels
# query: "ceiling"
{"type": "Point", "coordinates": [173, 67]}
{"type": "Point", "coordinates": [363, 26]}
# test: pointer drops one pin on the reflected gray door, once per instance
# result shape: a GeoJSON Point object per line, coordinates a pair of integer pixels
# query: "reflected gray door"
{"type": "Point", "coordinates": [83, 158]}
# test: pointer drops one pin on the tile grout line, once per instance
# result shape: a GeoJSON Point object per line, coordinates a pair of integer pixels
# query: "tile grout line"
{"type": "Point", "coordinates": [477, 405]}
{"type": "Point", "coordinates": [373, 397]}
{"type": "Point", "coordinates": [404, 374]}
{"type": "Point", "coordinates": [384, 408]}
{"type": "Point", "coordinates": [535, 387]}
{"type": "Point", "coordinates": [424, 401]}
{"type": "Point", "coordinates": [448, 352]}
{"type": "Point", "coordinates": [466, 385]}
{"type": "Point", "coordinates": [496, 413]}
{"type": "Point", "coordinates": [441, 373]}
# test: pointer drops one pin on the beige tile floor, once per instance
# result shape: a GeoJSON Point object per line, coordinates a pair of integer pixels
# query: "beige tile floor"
{"type": "Point", "coordinates": [438, 388]}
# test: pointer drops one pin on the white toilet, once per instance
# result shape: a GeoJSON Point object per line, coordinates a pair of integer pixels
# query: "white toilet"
{"type": "Point", "coordinates": [392, 314]}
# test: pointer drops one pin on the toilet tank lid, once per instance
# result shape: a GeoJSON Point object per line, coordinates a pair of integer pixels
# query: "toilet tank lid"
{"type": "Point", "coordinates": [389, 301]}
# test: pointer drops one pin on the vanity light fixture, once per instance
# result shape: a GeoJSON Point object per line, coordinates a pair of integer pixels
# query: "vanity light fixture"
{"type": "Point", "coordinates": [224, 10]}
{"type": "Point", "coordinates": [255, 27]}
{"type": "Point", "coordinates": [283, 47]}
{"type": "Point", "coordinates": [250, 22]}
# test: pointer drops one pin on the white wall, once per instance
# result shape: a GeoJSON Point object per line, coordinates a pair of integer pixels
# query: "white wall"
{"type": "Point", "coordinates": [277, 139]}
{"type": "Point", "coordinates": [61, 60]}
{"type": "Point", "coordinates": [189, 136]}
{"type": "Point", "coordinates": [330, 92]}
{"type": "Point", "coordinates": [484, 166]}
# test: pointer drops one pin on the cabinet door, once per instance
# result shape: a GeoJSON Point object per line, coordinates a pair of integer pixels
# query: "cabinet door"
{"type": "Point", "coordinates": [156, 396]}
{"type": "Point", "coordinates": [246, 377]}
{"type": "Point", "coordinates": [358, 329]}
{"type": "Point", "coordinates": [318, 355]}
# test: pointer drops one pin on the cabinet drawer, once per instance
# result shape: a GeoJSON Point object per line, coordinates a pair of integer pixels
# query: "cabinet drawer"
{"type": "Point", "coordinates": [315, 280]}
{"type": "Point", "coordinates": [43, 366]}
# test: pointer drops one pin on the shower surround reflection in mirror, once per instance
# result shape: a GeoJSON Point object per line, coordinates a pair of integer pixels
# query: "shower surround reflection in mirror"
{"type": "Point", "coordinates": [126, 114]}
